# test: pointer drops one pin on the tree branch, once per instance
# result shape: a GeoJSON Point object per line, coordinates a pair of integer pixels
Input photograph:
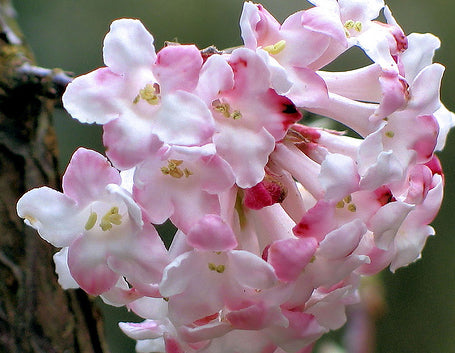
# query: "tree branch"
{"type": "Point", "coordinates": [36, 315]}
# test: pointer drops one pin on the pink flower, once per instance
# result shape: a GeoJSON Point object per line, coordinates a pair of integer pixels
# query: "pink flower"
{"type": "Point", "coordinates": [98, 222]}
{"type": "Point", "coordinates": [181, 183]}
{"type": "Point", "coordinates": [250, 117]}
{"type": "Point", "coordinates": [141, 98]}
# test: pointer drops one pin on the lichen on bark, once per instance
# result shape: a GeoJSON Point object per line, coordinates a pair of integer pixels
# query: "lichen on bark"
{"type": "Point", "coordinates": [36, 315]}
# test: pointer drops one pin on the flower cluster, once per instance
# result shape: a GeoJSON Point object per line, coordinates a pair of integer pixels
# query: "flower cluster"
{"type": "Point", "coordinates": [276, 220]}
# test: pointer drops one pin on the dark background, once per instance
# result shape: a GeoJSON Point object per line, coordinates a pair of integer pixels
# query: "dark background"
{"type": "Point", "coordinates": [68, 34]}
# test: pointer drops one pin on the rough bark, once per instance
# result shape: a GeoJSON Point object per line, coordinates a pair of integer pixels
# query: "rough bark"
{"type": "Point", "coordinates": [36, 315]}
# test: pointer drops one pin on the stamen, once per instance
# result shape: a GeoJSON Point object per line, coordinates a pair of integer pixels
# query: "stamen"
{"type": "Point", "coordinates": [174, 171]}
{"type": "Point", "coordinates": [110, 218]}
{"type": "Point", "coordinates": [150, 93]}
{"type": "Point", "coordinates": [340, 204]}
{"type": "Point", "coordinates": [236, 115]}
{"type": "Point", "coordinates": [351, 24]}
{"type": "Point", "coordinates": [225, 110]}
{"type": "Point", "coordinates": [390, 134]}
{"type": "Point", "coordinates": [276, 48]}
{"type": "Point", "coordinates": [222, 108]}
{"type": "Point", "coordinates": [91, 221]}
{"type": "Point", "coordinates": [216, 268]}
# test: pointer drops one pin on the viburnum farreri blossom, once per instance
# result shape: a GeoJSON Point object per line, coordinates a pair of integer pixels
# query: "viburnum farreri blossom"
{"type": "Point", "coordinates": [277, 221]}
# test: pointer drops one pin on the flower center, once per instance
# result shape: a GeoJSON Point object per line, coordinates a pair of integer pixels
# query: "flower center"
{"type": "Point", "coordinates": [173, 169]}
{"type": "Point", "coordinates": [150, 93]}
{"type": "Point", "coordinates": [216, 268]}
{"type": "Point", "coordinates": [225, 110]}
{"type": "Point", "coordinates": [112, 217]}
{"type": "Point", "coordinates": [347, 201]}
{"type": "Point", "coordinates": [351, 24]}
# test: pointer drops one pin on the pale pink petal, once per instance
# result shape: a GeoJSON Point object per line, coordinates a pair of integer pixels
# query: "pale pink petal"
{"type": "Point", "coordinates": [419, 54]}
{"type": "Point", "coordinates": [216, 75]}
{"type": "Point", "coordinates": [149, 308]}
{"type": "Point", "coordinates": [129, 140]}
{"type": "Point", "coordinates": [87, 176]}
{"type": "Point", "coordinates": [317, 222]}
{"type": "Point", "coordinates": [95, 97]}
{"type": "Point", "coordinates": [142, 258]}
{"type": "Point", "coordinates": [361, 10]}
{"type": "Point", "coordinates": [409, 246]}
{"type": "Point", "coordinates": [424, 90]}
{"type": "Point", "coordinates": [349, 112]}
{"type": "Point", "coordinates": [142, 330]}
{"type": "Point", "coordinates": [258, 26]}
{"type": "Point", "coordinates": [65, 279]}
{"type": "Point", "coordinates": [316, 30]}
{"type": "Point", "coordinates": [177, 67]}
{"type": "Point", "coordinates": [303, 329]}
{"type": "Point", "coordinates": [302, 168]}
{"type": "Point", "coordinates": [330, 309]}
{"type": "Point", "coordinates": [290, 256]}
{"type": "Point", "coordinates": [279, 76]}
{"type": "Point", "coordinates": [376, 45]}
{"type": "Point", "coordinates": [260, 274]}
{"type": "Point", "coordinates": [256, 317]}
{"type": "Point", "coordinates": [246, 151]}
{"type": "Point", "coordinates": [211, 233]}
{"type": "Point", "coordinates": [183, 119]}
{"type": "Point", "coordinates": [180, 273]}
{"type": "Point", "coordinates": [87, 263]}
{"type": "Point", "coordinates": [128, 46]}
{"type": "Point", "coordinates": [339, 176]}
{"type": "Point", "coordinates": [204, 332]}
{"type": "Point", "coordinates": [446, 120]}
{"type": "Point", "coordinates": [343, 241]}
{"type": "Point", "coordinates": [193, 205]}
{"type": "Point", "coordinates": [360, 84]}
{"type": "Point", "coordinates": [386, 222]}
{"type": "Point", "coordinates": [54, 215]}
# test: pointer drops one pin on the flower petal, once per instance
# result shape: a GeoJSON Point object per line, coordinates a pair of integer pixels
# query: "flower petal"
{"type": "Point", "coordinates": [127, 46]}
{"type": "Point", "coordinates": [54, 215]}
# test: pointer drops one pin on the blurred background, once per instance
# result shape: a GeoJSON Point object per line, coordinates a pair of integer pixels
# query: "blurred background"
{"type": "Point", "coordinates": [420, 300]}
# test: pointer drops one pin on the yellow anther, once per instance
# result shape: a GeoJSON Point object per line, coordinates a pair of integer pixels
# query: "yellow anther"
{"type": "Point", "coordinates": [216, 268]}
{"type": "Point", "coordinates": [348, 199]}
{"type": "Point", "coordinates": [187, 172]}
{"type": "Point", "coordinates": [390, 134]}
{"type": "Point", "coordinates": [276, 48]}
{"type": "Point", "coordinates": [176, 173]}
{"type": "Point", "coordinates": [236, 115]}
{"type": "Point", "coordinates": [349, 24]}
{"type": "Point", "coordinates": [340, 204]}
{"type": "Point", "coordinates": [111, 217]}
{"type": "Point", "coordinates": [175, 162]}
{"type": "Point", "coordinates": [358, 26]}
{"type": "Point", "coordinates": [150, 93]}
{"type": "Point", "coordinates": [222, 108]}
{"type": "Point", "coordinates": [352, 208]}
{"type": "Point", "coordinates": [91, 221]}
{"type": "Point", "coordinates": [173, 169]}
{"type": "Point", "coordinates": [225, 110]}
